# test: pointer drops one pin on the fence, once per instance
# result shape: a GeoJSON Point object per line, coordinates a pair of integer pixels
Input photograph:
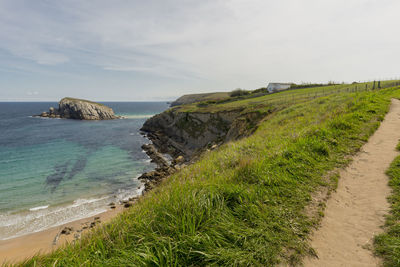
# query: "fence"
{"type": "Point", "coordinates": [298, 95]}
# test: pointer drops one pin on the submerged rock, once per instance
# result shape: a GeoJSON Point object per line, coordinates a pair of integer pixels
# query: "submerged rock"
{"type": "Point", "coordinates": [79, 109]}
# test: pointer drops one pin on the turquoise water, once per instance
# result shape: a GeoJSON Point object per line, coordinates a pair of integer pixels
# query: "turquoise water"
{"type": "Point", "coordinates": [53, 171]}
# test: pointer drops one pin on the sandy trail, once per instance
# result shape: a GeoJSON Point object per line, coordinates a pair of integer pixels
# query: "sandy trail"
{"type": "Point", "coordinates": [355, 212]}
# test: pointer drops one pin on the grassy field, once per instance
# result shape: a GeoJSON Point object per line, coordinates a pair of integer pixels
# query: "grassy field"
{"type": "Point", "coordinates": [283, 98]}
{"type": "Point", "coordinates": [249, 202]}
{"type": "Point", "coordinates": [387, 245]}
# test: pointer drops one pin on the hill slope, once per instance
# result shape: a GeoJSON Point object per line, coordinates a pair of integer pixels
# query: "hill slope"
{"type": "Point", "coordinates": [192, 98]}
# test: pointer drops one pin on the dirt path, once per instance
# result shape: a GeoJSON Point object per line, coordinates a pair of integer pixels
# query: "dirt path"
{"type": "Point", "coordinates": [356, 210]}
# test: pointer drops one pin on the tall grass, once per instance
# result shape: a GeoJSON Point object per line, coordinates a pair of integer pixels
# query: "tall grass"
{"type": "Point", "coordinates": [387, 244]}
{"type": "Point", "coordinates": [244, 204]}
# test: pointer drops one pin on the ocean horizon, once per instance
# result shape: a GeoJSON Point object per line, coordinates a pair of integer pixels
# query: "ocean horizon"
{"type": "Point", "coordinates": [54, 171]}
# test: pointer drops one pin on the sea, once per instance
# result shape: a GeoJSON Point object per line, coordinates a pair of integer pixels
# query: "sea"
{"type": "Point", "coordinates": [54, 171]}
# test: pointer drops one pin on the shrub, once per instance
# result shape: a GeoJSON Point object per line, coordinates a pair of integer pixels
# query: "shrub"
{"type": "Point", "coordinates": [239, 92]}
{"type": "Point", "coordinates": [260, 90]}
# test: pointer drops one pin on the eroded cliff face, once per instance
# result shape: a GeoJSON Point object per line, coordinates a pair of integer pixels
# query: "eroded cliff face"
{"type": "Point", "coordinates": [72, 108]}
{"type": "Point", "coordinates": [188, 133]}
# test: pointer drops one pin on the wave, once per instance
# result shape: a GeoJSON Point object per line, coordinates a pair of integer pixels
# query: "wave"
{"type": "Point", "coordinates": [124, 194]}
{"type": "Point", "coordinates": [83, 201]}
{"type": "Point", "coordinates": [39, 208]}
{"type": "Point", "coordinates": [138, 116]}
{"type": "Point", "coordinates": [43, 118]}
{"type": "Point", "coordinates": [40, 218]}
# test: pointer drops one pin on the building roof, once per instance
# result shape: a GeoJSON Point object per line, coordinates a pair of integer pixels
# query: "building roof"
{"type": "Point", "coordinates": [281, 83]}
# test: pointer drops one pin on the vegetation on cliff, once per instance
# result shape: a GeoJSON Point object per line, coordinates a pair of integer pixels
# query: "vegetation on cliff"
{"type": "Point", "coordinates": [250, 202]}
{"type": "Point", "coordinates": [192, 98]}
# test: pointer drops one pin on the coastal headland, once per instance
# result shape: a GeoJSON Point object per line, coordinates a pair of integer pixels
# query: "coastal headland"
{"type": "Point", "coordinates": [248, 179]}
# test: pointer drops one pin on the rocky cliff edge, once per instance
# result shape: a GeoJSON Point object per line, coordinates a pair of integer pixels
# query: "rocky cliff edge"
{"type": "Point", "coordinates": [187, 134]}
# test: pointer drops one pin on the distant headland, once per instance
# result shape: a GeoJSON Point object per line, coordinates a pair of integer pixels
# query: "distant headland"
{"type": "Point", "coordinates": [79, 109]}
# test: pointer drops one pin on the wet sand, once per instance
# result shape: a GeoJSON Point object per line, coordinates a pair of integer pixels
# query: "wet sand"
{"type": "Point", "coordinates": [17, 249]}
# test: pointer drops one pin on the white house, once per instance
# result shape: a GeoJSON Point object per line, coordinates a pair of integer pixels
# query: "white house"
{"type": "Point", "coordinates": [276, 87]}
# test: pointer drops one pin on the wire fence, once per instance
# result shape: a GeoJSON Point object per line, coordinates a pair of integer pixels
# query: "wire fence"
{"type": "Point", "coordinates": [291, 96]}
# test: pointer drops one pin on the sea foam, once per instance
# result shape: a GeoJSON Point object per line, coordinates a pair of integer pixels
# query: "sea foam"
{"type": "Point", "coordinates": [39, 208]}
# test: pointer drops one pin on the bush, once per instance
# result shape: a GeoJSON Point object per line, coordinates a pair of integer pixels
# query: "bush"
{"type": "Point", "coordinates": [239, 92]}
{"type": "Point", "coordinates": [306, 85]}
{"type": "Point", "coordinates": [260, 90]}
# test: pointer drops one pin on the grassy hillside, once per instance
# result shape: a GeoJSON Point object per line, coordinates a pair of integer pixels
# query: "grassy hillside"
{"type": "Point", "coordinates": [187, 99]}
{"type": "Point", "coordinates": [293, 94]}
{"type": "Point", "coordinates": [387, 245]}
{"type": "Point", "coordinates": [282, 99]}
{"type": "Point", "coordinates": [249, 203]}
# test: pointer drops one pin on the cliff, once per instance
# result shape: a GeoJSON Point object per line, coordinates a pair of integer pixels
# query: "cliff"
{"type": "Point", "coordinates": [184, 134]}
{"type": "Point", "coordinates": [187, 133]}
{"type": "Point", "coordinates": [79, 109]}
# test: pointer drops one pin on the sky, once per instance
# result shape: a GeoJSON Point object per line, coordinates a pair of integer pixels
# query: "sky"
{"type": "Point", "coordinates": [134, 50]}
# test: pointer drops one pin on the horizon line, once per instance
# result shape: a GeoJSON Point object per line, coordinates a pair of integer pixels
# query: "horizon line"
{"type": "Point", "coordinates": [52, 101]}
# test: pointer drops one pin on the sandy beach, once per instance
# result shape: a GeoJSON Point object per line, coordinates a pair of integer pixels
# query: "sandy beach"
{"type": "Point", "coordinates": [17, 249]}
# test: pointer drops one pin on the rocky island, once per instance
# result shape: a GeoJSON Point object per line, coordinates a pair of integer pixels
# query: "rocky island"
{"type": "Point", "coordinates": [80, 109]}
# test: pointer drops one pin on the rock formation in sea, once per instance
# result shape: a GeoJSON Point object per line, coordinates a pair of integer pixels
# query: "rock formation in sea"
{"type": "Point", "coordinates": [79, 109]}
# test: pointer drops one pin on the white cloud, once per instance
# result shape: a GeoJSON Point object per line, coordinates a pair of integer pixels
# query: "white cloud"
{"type": "Point", "coordinates": [220, 44]}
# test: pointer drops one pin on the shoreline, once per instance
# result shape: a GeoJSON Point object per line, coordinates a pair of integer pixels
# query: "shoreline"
{"type": "Point", "coordinates": [17, 249]}
{"type": "Point", "coordinates": [19, 245]}
{"type": "Point", "coordinates": [28, 221]}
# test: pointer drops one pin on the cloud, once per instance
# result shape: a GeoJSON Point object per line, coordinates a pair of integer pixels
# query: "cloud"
{"type": "Point", "coordinates": [39, 55]}
{"type": "Point", "coordinates": [204, 45]}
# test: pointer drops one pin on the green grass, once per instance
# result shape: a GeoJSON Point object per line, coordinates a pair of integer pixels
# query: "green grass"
{"type": "Point", "coordinates": [246, 203]}
{"type": "Point", "coordinates": [387, 244]}
{"type": "Point", "coordinates": [81, 100]}
{"type": "Point", "coordinates": [281, 99]}
{"type": "Point", "coordinates": [217, 96]}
